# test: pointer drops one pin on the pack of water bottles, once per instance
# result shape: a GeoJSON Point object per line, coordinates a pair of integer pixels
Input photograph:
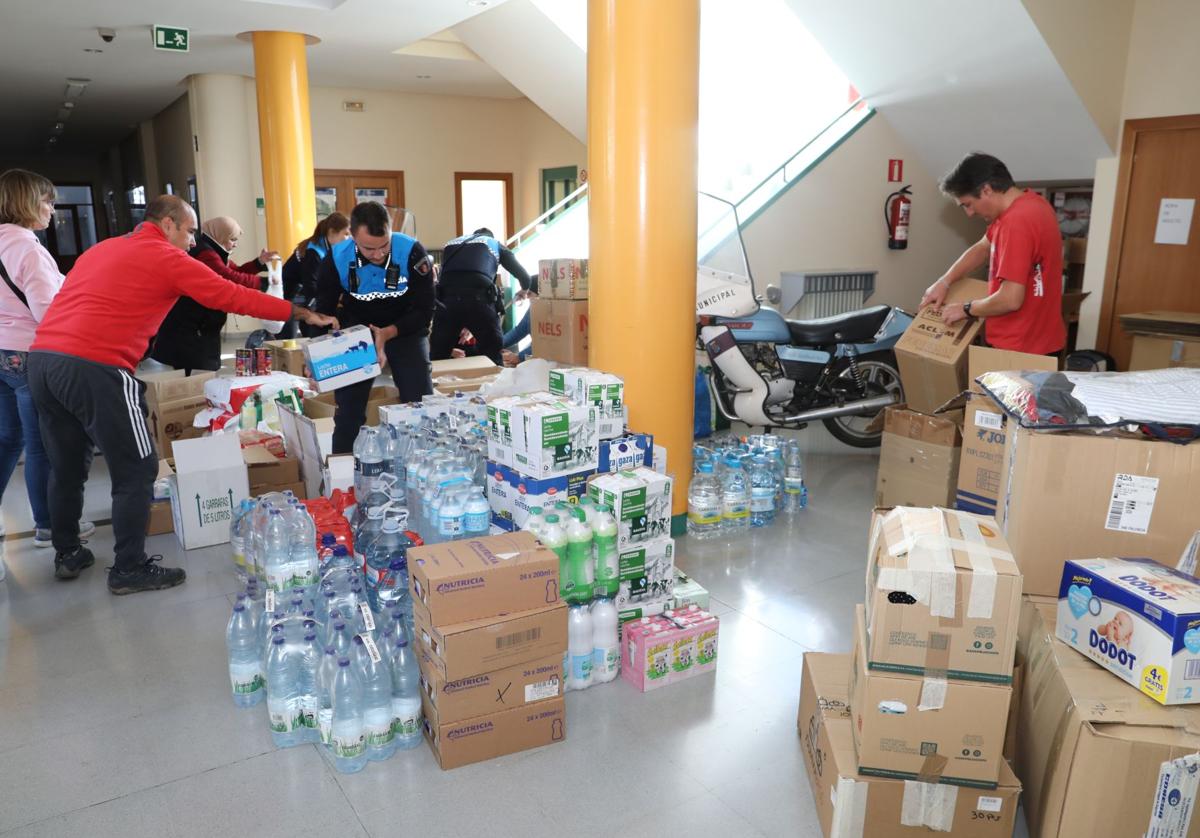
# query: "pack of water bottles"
{"type": "Point", "coordinates": [742, 483]}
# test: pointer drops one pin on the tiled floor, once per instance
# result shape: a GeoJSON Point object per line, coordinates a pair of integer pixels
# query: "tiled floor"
{"type": "Point", "coordinates": [115, 717]}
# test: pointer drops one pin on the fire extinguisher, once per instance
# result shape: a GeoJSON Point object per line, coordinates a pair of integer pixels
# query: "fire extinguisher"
{"type": "Point", "coordinates": [896, 210]}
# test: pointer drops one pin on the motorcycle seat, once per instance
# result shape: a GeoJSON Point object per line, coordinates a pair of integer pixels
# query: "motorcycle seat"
{"type": "Point", "coordinates": [852, 327]}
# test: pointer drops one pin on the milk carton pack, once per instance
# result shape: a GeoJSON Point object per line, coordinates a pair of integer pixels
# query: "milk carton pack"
{"type": "Point", "coordinates": [602, 389]}
{"type": "Point", "coordinates": [511, 494]}
{"type": "Point", "coordinates": [1139, 620]}
{"type": "Point", "coordinates": [666, 649]}
{"type": "Point", "coordinates": [559, 438]}
{"type": "Point", "coordinates": [641, 502]}
{"type": "Point", "coordinates": [647, 573]}
{"type": "Point", "coordinates": [626, 452]}
{"type": "Point", "coordinates": [341, 358]}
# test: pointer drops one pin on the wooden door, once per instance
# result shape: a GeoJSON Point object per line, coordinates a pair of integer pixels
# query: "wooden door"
{"type": "Point", "coordinates": [1160, 159]}
{"type": "Point", "coordinates": [341, 189]}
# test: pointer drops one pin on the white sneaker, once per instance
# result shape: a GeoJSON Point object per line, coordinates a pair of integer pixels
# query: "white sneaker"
{"type": "Point", "coordinates": [41, 538]}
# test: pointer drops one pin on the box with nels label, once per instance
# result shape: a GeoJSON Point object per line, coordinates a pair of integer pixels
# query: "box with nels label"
{"type": "Point", "coordinates": [1137, 619]}
{"type": "Point", "coordinates": [488, 692]}
{"type": "Point", "coordinates": [640, 500]}
{"type": "Point", "coordinates": [461, 650]}
{"type": "Point", "coordinates": [563, 279]}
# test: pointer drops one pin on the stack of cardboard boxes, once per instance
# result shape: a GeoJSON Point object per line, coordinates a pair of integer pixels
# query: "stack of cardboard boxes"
{"type": "Point", "coordinates": [559, 316]}
{"type": "Point", "coordinates": [173, 400]}
{"type": "Point", "coordinates": [492, 635]}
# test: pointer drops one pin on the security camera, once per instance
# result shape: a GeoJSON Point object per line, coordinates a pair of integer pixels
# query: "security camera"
{"type": "Point", "coordinates": [107, 35]}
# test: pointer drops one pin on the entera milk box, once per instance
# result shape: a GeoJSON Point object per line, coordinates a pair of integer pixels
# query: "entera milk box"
{"type": "Point", "coordinates": [1137, 619]}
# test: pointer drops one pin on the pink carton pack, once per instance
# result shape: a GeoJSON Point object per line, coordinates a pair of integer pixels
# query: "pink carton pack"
{"type": "Point", "coordinates": [670, 648]}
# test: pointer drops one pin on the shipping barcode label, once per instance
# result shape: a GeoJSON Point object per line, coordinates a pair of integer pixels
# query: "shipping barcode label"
{"type": "Point", "coordinates": [1191, 670]}
{"type": "Point", "coordinates": [270, 601]}
{"type": "Point", "coordinates": [991, 421]}
{"type": "Point", "coordinates": [1132, 503]}
{"type": "Point", "coordinates": [1175, 798]}
{"type": "Point", "coordinates": [990, 804]}
{"type": "Point", "coordinates": [518, 638]}
{"type": "Point", "coordinates": [541, 690]}
{"type": "Point", "coordinates": [372, 649]}
{"type": "Point", "coordinates": [368, 617]}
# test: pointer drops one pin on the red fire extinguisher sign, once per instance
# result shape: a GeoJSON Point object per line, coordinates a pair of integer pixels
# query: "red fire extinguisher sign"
{"type": "Point", "coordinates": [895, 171]}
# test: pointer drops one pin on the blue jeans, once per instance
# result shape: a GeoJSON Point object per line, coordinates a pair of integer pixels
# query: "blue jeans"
{"type": "Point", "coordinates": [19, 429]}
{"type": "Point", "coordinates": [517, 334]}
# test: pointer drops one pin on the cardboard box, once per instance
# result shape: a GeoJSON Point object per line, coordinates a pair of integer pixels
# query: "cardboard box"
{"type": "Point", "coordinates": [960, 742]}
{"type": "Point", "coordinates": [511, 494]}
{"type": "Point", "coordinates": [324, 406]}
{"type": "Point", "coordinates": [850, 805]}
{"type": "Point", "coordinates": [984, 427]}
{"type": "Point", "coordinates": [288, 356]}
{"type": "Point", "coordinates": [643, 610]}
{"type": "Point", "coordinates": [640, 500]}
{"type": "Point", "coordinates": [1156, 352]}
{"type": "Point", "coordinates": [933, 356]}
{"type": "Point", "coordinates": [490, 692]}
{"type": "Point", "coordinates": [309, 441]}
{"type": "Point", "coordinates": [210, 480]}
{"type": "Point", "coordinates": [1098, 758]}
{"type": "Point", "coordinates": [160, 521]}
{"type": "Point", "coordinates": [455, 744]}
{"type": "Point", "coordinates": [477, 578]}
{"type": "Point", "coordinates": [462, 650]}
{"type": "Point", "coordinates": [342, 358]}
{"type": "Point", "coordinates": [1014, 712]}
{"type": "Point", "coordinates": [1077, 496]}
{"type": "Point", "coordinates": [626, 452]}
{"type": "Point", "coordinates": [1137, 619]}
{"type": "Point", "coordinates": [172, 385]}
{"type": "Point", "coordinates": [560, 330]}
{"type": "Point", "coordinates": [265, 469]}
{"type": "Point", "coordinates": [172, 402]}
{"type": "Point", "coordinates": [688, 591]}
{"type": "Point", "coordinates": [462, 375]}
{"type": "Point", "coordinates": [647, 573]}
{"type": "Point", "coordinates": [943, 596]}
{"type": "Point", "coordinates": [604, 391]}
{"type": "Point", "coordinates": [563, 279]}
{"type": "Point", "coordinates": [918, 459]}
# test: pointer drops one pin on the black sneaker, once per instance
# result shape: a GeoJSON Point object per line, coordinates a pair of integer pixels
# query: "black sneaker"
{"type": "Point", "coordinates": [70, 565]}
{"type": "Point", "coordinates": [148, 576]}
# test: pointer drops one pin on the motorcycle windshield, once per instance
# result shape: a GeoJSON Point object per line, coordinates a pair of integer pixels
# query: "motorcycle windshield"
{"type": "Point", "coordinates": [724, 287]}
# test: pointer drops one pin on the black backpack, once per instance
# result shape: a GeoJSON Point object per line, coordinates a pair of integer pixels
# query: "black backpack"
{"type": "Point", "coordinates": [1090, 360]}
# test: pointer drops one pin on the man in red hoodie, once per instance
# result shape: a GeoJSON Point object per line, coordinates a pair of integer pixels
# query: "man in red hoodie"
{"type": "Point", "coordinates": [81, 368]}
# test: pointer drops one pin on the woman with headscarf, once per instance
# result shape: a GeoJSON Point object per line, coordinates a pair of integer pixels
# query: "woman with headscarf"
{"type": "Point", "coordinates": [190, 336]}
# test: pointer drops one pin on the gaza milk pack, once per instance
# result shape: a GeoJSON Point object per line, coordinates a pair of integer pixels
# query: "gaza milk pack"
{"type": "Point", "coordinates": [1137, 619]}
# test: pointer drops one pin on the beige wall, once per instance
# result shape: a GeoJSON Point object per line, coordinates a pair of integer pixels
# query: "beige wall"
{"type": "Point", "coordinates": [175, 162]}
{"type": "Point", "coordinates": [833, 219]}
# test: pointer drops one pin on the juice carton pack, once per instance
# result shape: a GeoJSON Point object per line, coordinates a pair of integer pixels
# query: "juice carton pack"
{"type": "Point", "coordinates": [666, 649]}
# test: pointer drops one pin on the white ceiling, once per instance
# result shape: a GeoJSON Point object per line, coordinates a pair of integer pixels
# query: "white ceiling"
{"type": "Point", "coordinates": [42, 43]}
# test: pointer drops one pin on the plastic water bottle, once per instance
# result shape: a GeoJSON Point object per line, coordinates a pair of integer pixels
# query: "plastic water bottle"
{"type": "Point", "coordinates": [604, 544]}
{"type": "Point", "coordinates": [347, 734]}
{"type": "Point", "coordinates": [390, 548]}
{"type": "Point", "coordinates": [606, 647]}
{"type": "Point", "coordinates": [580, 647]}
{"type": "Point", "coordinates": [245, 662]}
{"type": "Point", "coordinates": [365, 537]}
{"type": "Point", "coordinates": [478, 514]}
{"type": "Point", "coordinates": [580, 580]}
{"type": "Point", "coordinates": [377, 699]}
{"type": "Point", "coordinates": [406, 695]}
{"type": "Point", "coordinates": [368, 460]}
{"type": "Point", "coordinates": [388, 445]}
{"type": "Point", "coordinates": [283, 694]}
{"type": "Point", "coordinates": [308, 672]}
{"type": "Point", "coordinates": [795, 492]}
{"type": "Point", "coordinates": [704, 504]}
{"type": "Point", "coordinates": [735, 498]}
{"type": "Point", "coordinates": [375, 496]}
{"type": "Point", "coordinates": [392, 590]}
{"type": "Point", "coordinates": [304, 548]}
{"type": "Point", "coordinates": [536, 521]}
{"type": "Point", "coordinates": [451, 515]}
{"type": "Point", "coordinates": [555, 538]}
{"type": "Point", "coordinates": [277, 556]}
{"type": "Point", "coordinates": [762, 492]}
{"type": "Point", "coordinates": [237, 541]}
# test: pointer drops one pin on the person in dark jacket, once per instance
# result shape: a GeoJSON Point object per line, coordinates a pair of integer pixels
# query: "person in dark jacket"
{"type": "Point", "coordinates": [383, 280]}
{"type": "Point", "coordinates": [300, 270]}
{"type": "Point", "coordinates": [190, 336]}
{"type": "Point", "coordinates": [468, 295]}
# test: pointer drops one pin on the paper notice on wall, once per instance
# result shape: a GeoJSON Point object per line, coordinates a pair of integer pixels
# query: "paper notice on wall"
{"type": "Point", "coordinates": [1174, 220]}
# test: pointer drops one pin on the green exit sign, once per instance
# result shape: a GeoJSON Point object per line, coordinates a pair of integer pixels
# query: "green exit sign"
{"type": "Point", "coordinates": [171, 38]}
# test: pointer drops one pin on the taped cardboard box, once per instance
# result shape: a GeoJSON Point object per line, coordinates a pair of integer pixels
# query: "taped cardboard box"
{"type": "Point", "coordinates": [489, 692]}
{"type": "Point", "coordinates": [160, 521]}
{"type": "Point", "coordinates": [918, 459]}
{"type": "Point", "coordinates": [1077, 496]}
{"type": "Point", "coordinates": [1156, 352]}
{"type": "Point", "coordinates": [288, 355]}
{"type": "Point", "coordinates": [560, 330]}
{"type": "Point", "coordinates": [563, 279]}
{"type": "Point", "coordinates": [481, 738]}
{"type": "Point", "coordinates": [909, 728]}
{"type": "Point", "coordinates": [984, 427]}
{"type": "Point", "coordinates": [851, 805]}
{"type": "Point", "coordinates": [1096, 757]}
{"type": "Point", "coordinates": [463, 375]}
{"type": "Point", "coordinates": [264, 469]}
{"type": "Point", "coordinates": [933, 356]}
{"type": "Point", "coordinates": [477, 578]}
{"type": "Point", "coordinates": [324, 406]}
{"type": "Point", "coordinates": [943, 595]}
{"type": "Point", "coordinates": [461, 650]}
{"type": "Point", "coordinates": [172, 402]}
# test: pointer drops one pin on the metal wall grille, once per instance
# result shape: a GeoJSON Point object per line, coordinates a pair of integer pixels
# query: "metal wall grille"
{"type": "Point", "coordinates": [807, 295]}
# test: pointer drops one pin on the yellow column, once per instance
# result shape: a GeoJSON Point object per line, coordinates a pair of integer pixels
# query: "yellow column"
{"type": "Point", "coordinates": [643, 92]}
{"type": "Point", "coordinates": [285, 137]}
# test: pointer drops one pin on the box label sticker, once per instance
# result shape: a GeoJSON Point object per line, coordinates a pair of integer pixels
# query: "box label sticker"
{"type": "Point", "coordinates": [541, 690]}
{"type": "Point", "coordinates": [1132, 503]}
{"type": "Point", "coordinates": [991, 421]}
{"type": "Point", "coordinates": [990, 804]}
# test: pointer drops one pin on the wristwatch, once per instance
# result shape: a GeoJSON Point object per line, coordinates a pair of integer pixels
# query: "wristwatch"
{"type": "Point", "coordinates": [967, 307]}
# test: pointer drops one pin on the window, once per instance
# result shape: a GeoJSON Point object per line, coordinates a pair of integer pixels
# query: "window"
{"type": "Point", "coordinates": [73, 229]}
{"type": "Point", "coordinates": [484, 199]}
{"type": "Point", "coordinates": [169, 188]}
{"type": "Point", "coordinates": [193, 195]}
{"type": "Point", "coordinates": [137, 204]}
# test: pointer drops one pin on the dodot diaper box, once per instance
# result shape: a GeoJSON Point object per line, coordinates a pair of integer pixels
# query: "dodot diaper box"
{"type": "Point", "coordinates": [1137, 619]}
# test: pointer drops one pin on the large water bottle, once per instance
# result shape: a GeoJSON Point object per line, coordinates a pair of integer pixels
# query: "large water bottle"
{"type": "Point", "coordinates": [389, 548]}
{"type": "Point", "coordinates": [604, 545]}
{"type": "Point", "coordinates": [762, 492]}
{"type": "Point", "coordinates": [704, 504]}
{"type": "Point", "coordinates": [451, 517]}
{"type": "Point", "coordinates": [478, 514]}
{"type": "Point", "coordinates": [795, 492]}
{"type": "Point", "coordinates": [347, 733]}
{"type": "Point", "coordinates": [578, 585]}
{"type": "Point", "coordinates": [406, 694]}
{"type": "Point", "coordinates": [606, 647]}
{"type": "Point", "coordinates": [304, 548]}
{"type": "Point", "coordinates": [377, 699]}
{"type": "Point", "coordinates": [368, 460]}
{"type": "Point", "coordinates": [580, 639]}
{"type": "Point", "coordinates": [283, 693]}
{"type": "Point", "coordinates": [237, 541]}
{"type": "Point", "coordinates": [735, 497]}
{"type": "Point", "coordinates": [277, 552]}
{"type": "Point", "coordinates": [555, 539]}
{"type": "Point", "coordinates": [245, 662]}
{"type": "Point", "coordinates": [367, 533]}
{"type": "Point", "coordinates": [376, 496]}
{"type": "Point", "coordinates": [308, 675]}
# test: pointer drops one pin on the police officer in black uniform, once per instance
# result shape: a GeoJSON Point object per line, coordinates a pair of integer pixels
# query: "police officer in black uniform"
{"type": "Point", "coordinates": [468, 294]}
{"type": "Point", "coordinates": [383, 280]}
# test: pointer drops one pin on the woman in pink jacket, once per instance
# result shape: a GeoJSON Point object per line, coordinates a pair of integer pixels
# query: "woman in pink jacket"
{"type": "Point", "coordinates": [30, 279]}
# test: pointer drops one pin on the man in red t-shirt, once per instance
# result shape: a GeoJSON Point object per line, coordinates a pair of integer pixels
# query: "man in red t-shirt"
{"type": "Point", "coordinates": [1024, 248]}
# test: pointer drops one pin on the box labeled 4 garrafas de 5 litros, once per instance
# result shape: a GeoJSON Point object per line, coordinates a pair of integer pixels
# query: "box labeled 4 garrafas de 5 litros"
{"type": "Point", "coordinates": [1137, 619]}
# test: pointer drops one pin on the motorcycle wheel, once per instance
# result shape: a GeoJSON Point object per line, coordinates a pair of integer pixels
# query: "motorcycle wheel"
{"type": "Point", "coordinates": [881, 376]}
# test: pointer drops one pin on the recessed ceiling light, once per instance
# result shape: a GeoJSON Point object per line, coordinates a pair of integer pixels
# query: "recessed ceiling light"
{"type": "Point", "coordinates": [424, 77]}
{"type": "Point", "coordinates": [92, 50]}
{"type": "Point", "coordinates": [68, 104]}
{"type": "Point", "coordinates": [478, 3]}
{"type": "Point", "coordinates": [54, 139]}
